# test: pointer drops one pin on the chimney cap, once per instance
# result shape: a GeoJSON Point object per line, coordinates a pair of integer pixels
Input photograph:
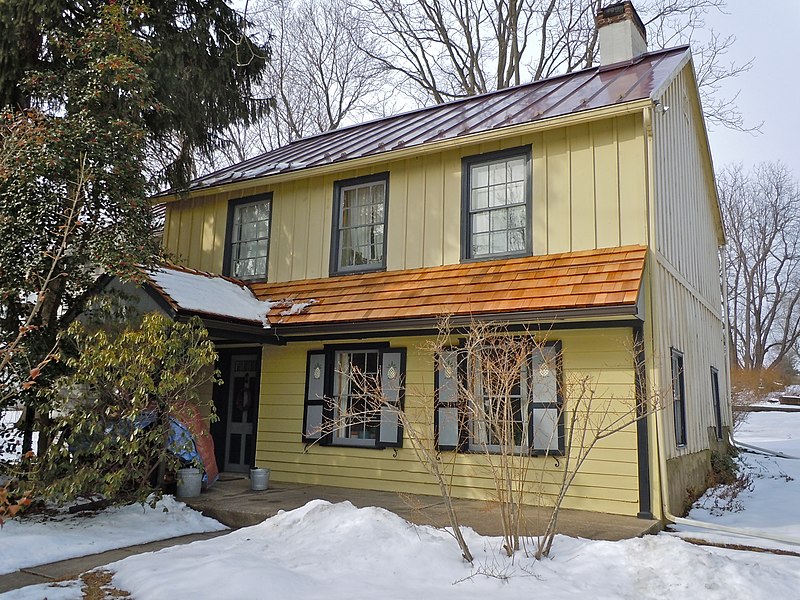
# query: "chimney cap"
{"type": "Point", "coordinates": [620, 11]}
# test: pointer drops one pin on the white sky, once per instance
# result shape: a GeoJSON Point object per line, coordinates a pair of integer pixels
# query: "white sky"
{"type": "Point", "coordinates": [768, 33]}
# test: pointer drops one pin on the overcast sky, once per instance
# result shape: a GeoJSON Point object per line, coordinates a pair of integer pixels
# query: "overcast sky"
{"type": "Point", "coordinates": [768, 32]}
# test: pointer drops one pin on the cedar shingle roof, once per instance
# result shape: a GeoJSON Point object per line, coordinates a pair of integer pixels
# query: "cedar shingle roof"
{"type": "Point", "coordinates": [592, 279]}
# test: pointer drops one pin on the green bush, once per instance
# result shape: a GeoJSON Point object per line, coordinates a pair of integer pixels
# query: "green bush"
{"type": "Point", "coordinates": [118, 378]}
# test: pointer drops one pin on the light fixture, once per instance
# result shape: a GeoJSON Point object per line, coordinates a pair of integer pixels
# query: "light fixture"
{"type": "Point", "coordinates": [660, 107]}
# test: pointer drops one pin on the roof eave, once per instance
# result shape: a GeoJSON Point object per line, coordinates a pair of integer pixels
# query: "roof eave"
{"type": "Point", "coordinates": [541, 319]}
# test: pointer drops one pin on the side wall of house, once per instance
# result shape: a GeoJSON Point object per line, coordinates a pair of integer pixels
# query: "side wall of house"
{"type": "Point", "coordinates": [686, 292]}
{"type": "Point", "coordinates": [607, 482]}
{"type": "Point", "coordinates": [589, 182]}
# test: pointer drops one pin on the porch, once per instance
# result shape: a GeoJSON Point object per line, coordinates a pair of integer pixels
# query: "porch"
{"type": "Point", "coordinates": [231, 502]}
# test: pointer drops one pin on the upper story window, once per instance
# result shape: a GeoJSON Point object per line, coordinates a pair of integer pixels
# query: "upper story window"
{"type": "Point", "coordinates": [247, 251]}
{"type": "Point", "coordinates": [497, 204]}
{"type": "Point", "coordinates": [359, 224]}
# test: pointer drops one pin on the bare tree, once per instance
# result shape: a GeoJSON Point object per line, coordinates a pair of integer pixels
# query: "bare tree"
{"type": "Point", "coordinates": [318, 77]}
{"type": "Point", "coordinates": [761, 212]}
{"type": "Point", "coordinates": [446, 49]}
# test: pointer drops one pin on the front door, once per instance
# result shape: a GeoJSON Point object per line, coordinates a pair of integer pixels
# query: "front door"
{"type": "Point", "coordinates": [240, 420]}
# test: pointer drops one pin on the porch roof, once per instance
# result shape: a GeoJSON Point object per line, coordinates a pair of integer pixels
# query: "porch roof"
{"type": "Point", "coordinates": [591, 283]}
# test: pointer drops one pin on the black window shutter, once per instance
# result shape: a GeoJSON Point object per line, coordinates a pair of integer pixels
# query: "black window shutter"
{"type": "Point", "coordinates": [447, 418]}
{"type": "Point", "coordinates": [315, 409]}
{"type": "Point", "coordinates": [393, 371]}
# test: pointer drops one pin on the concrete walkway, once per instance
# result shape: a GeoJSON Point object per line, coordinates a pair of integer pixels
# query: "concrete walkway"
{"type": "Point", "coordinates": [73, 567]}
{"type": "Point", "coordinates": [231, 502]}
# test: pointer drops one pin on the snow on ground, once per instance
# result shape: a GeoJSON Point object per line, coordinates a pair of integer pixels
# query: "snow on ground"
{"type": "Point", "coordinates": [769, 500]}
{"type": "Point", "coordinates": [336, 551]}
{"type": "Point", "coordinates": [34, 540]}
{"type": "Point", "coordinates": [64, 590]}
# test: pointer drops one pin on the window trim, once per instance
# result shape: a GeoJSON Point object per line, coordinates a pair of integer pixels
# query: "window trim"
{"type": "Point", "coordinates": [338, 186]}
{"type": "Point", "coordinates": [467, 163]}
{"type": "Point", "coordinates": [679, 406]}
{"type": "Point", "coordinates": [227, 254]}
{"type": "Point", "coordinates": [716, 402]}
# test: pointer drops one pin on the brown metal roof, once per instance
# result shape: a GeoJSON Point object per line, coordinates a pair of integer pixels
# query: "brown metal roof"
{"type": "Point", "coordinates": [588, 89]}
{"type": "Point", "coordinates": [592, 279]}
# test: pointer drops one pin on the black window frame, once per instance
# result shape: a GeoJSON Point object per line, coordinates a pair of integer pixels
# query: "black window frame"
{"type": "Point", "coordinates": [466, 193]}
{"type": "Point", "coordinates": [678, 370]}
{"type": "Point", "coordinates": [716, 402]}
{"type": "Point", "coordinates": [227, 256]}
{"type": "Point", "coordinates": [338, 187]}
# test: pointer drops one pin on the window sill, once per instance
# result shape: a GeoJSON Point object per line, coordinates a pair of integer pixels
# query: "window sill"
{"type": "Point", "coordinates": [492, 257]}
{"type": "Point", "coordinates": [359, 271]}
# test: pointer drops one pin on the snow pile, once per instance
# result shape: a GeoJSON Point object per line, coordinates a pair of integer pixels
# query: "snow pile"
{"type": "Point", "coordinates": [336, 551]}
{"type": "Point", "coordinates": [211, 295]}
{"type": "Point", "coordinates": [63, 590]}
{"type": "Point", "coordinates": [769, 499]}
{"type": "Point", "coordinates": [35, 541]}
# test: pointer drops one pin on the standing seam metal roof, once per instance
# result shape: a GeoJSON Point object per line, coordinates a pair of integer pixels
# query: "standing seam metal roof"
{"type": "Point", "coordinates": [588, 89]}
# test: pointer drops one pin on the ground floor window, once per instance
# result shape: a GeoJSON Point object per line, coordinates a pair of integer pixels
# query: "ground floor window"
{"type": "Point", "coordinates": [503, 401]}
{"type": "Point", "coordinates": [678, 397]}
{"type": "Point", "coordinates": [354, 395]}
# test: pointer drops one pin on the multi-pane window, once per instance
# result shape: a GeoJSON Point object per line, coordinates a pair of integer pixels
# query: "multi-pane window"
{"type": "Point", "coordinates": [356, 382]}
{"type": "Point", "coordinates": [249, 239]}
{"type": "Point", "coordinates": [497, 205]}
{"type": "Point", "coordinates": [516, 403]}
{"type": "Point", "coordinates": [360, 224]}
{"type": "Point", "coordinates": [678, 398]}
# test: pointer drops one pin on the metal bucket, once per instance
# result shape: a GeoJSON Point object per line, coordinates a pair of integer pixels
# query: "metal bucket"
{"type": "Point", "coordinates": [189, 482]}
{"type": "Point", "coordinates": [259, 479]}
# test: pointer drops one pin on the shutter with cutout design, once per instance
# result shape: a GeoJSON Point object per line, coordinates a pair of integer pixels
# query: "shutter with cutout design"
{"type": "Point", "coordinates": [447, 419]}
{"type": "Point", "coordinates": [393, 366]}
{"type": "Point", "coordinates": [314, 412]}
{"type": "Point", "coordinates": [547, 414]}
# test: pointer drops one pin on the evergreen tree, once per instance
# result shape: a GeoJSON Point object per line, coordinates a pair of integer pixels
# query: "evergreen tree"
{"type": "Point", "coordinates": [203, 69]}
{"type": "Point", "coordinates": [72, 192]}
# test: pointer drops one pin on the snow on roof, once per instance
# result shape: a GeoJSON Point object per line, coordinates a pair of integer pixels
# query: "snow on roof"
{"type": "Point", "coordinates": [210, 294]}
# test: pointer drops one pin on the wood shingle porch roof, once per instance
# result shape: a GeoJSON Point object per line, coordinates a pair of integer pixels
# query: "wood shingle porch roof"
{"type": "Point", "coordinates": [591, 280]}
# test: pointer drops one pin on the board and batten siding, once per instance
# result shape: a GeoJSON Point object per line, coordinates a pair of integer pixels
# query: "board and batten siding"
{"type": "Point", "coordinates": [589, 191]}
{"type": "Point", "coordinates": [685, 267]}
{"type": "Point", "coordinates": [607, 482]}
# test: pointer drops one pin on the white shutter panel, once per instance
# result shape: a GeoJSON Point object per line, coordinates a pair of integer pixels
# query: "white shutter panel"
{"type": "Point", "coordinates": [447, 421]}
{"type": "Point", "coordinates": [392, 376]}
{"type": "Point", "coordinates": [314, 412]}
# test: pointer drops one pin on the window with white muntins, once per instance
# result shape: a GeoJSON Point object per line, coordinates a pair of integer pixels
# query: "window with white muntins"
{"type": "Point", "coordinates": [497, 205]}
{"type": "Point", "coordinates": [249, 239]}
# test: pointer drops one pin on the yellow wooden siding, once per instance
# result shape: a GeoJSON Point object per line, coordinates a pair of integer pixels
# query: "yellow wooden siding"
{"type": "Point", "coordinates": [685, 266]}
{"type": "Point", "coordinates": [608, 481]}
{"type": "Point", "coordinates": [584, 178]}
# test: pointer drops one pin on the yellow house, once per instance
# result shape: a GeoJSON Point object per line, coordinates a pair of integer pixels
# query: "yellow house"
{"type": "Point", "coordinates": [582, 207]}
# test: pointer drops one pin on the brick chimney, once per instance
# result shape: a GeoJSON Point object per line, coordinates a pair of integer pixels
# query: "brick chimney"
{"type": "Point", "coordinates": [621, 33]}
